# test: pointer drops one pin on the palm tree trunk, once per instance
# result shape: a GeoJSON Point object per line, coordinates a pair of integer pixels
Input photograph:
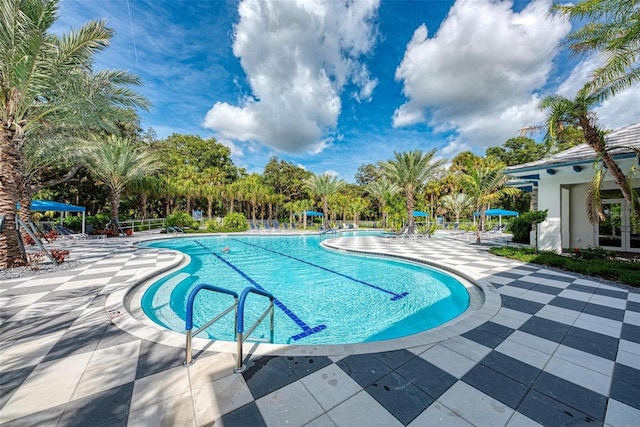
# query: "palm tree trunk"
{"type": "Point", "coordinates": [410, 206]}
{"type": "Point", "coordinates": [595, 141]}
{"type": "Point", "coordinates": [143, 202]}
{"type": "Point", "coordinates": [115, 206]}
{"type": "Point", "coordinates": [10, 253]}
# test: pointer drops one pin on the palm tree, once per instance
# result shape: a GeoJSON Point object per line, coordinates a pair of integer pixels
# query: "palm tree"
{"type": "Point", "coordinates": [485, 184]}
{"type": "Point", "coordinates": [210, 184]}
{"type": "Point", "coordinates": [382, 190]}
{"type": "Point", "coordinates": [410, 171]}
{"type": "Point", "coordinates": [117, 162]}
{"type": "Point", "coordinates": [324, 186]}
{"type": "Point", "coordinates": [564, 113]}
{"type": "Point", "coordinates": [456, 203]}
{"type": "Point", "coordinates": [45, 80]}
{"type": "Point", "coordinates": [612, 28]}
{"type": "Point", "coordinates": [144, 186]}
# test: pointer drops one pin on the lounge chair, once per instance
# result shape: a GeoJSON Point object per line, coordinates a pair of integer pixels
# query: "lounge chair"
{"type": "Point", "coordinates": [276, 225]}
{"type": "Point", "coordinates": [65, 233]}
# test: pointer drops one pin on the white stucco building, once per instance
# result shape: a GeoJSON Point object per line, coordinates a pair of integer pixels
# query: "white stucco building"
{"type": "Point", "coordinates": [562, 181]}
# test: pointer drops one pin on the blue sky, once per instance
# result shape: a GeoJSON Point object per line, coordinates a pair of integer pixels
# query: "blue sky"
{"type": "Point", "coordinates": [331, 85]}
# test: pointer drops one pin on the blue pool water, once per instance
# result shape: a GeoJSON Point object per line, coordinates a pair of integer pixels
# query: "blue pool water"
{"type": "Point", "coordinates": [322, 297]}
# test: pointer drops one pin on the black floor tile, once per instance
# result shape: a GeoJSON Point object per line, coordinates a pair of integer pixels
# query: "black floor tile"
{"type": "Point", "coordinates": [8, 312]}
{"type": "Point", "coordinates": [633, 306]}
{"type": "Point", "coordinates": [573, 395]}
{"type": "Point", "coordinates": [603, 311]}
{"type": "Point", "coordinates": [115, 336]}
{"type": "Point", "coordinates": [611, 293]}
{"type": "Point", "coordinates": [364, 368]}
{"type": "Point", "coordinates": [523, 284]}
{"type": "Point", "coordinates": [546, 289]}
{"type": "Point", "coordinates": [582, 288]}
{"type": "Point", "coordinates": [76, 341]}
{"type": "Point", "coordinates": [508, 275]}
{"type": "Point", "coordinates": [592, 342]}
{"type": "Point", "coordinates": [627, 374]}
{"type": "Point", "coordinates": [38, 326]}
{"type": "Point", "coordinates": [396, 358]}
{"type": "Point", "coordinates": [305, 365]}
{"type": "Point", "coordinates": [489, 334]}
{"type": "Point", "coordinates": [402, 399]}
{"type": "Point", "coordinates": [544, 328]}
{"type": "Point", "coordinates": [630, 333]}
{"type": "Point", "coordinates": [568, 303]}
{"type": "Point", "coordinates": [10, 381]}
{"type": "Point", "coordinates": [267, 374]}
{"type": "Point", "coordinates": [496, 385]}
{"type": "Point", "coordinates": [523, 305]}
{"type": "Point", "coordinates": [554, 277]}
{"type": "Point", "coordinates": [512, 368]}
{"type": "Point", "coordinates": [155, 357]}
{"type": "Point", "coordinates": [427, 377]}
{"type": "Point", "coordinates": [625, 392]}
{"type": "Point", "coordinates": [248, 415]}
{"type": "Point", "coordinates": [107, 407]}
{"type": "Point", "coordinates": [549, 412]}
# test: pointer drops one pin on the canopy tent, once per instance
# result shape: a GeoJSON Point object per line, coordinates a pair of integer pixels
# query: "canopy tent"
{"type": "Point", "coordinates": [420, 214]}
{"type": "Point", "coordinates": [49, 205]}
{"type": "Point", "coordinates": [499, 213]}
{"type": "Point", "coordinates": [313, 213]}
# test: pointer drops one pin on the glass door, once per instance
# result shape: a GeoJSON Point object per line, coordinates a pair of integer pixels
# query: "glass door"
{"type": "Point", "coordinates": [610, 231]}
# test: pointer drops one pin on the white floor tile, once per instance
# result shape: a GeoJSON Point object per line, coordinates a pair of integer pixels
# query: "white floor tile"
{"type": "Point", "coordinates": [475, 406]}
{"type": "Point", "coordinates": [579, 375]}
{"type": "Point", "coordinates": [217, 398]}
{"type": "Point", "coordinates": [291, 405]}
{"type": "Point", "coordinates": [330, 386]}
{"type": "Point", "coordinates": [362, 410]}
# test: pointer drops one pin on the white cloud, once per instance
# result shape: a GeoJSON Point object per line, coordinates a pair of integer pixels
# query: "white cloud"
{"type": "Point", "coordinates": [331, 172]}
{"type": "Point", "coordinates": [479, 74]}
{"type": "Point", "coordinates": [298, 56]}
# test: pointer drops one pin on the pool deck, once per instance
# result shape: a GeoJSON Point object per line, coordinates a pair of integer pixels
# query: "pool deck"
{"type": "Point", "coordinates": [546, 348]}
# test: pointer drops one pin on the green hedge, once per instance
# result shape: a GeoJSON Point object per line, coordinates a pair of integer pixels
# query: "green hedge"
{"type": "Point", "coordinates": [626, 272]}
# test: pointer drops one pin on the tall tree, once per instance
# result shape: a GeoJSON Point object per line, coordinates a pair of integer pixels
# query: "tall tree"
{"type": "Point", "coordinates": [382, 190]}
{"type": "Point", "coordinates": [117, 162]}
{"type": "Point", "coordinates": [456, 204]}
{"type": "Point", "coordinates": [285, 178]}
{"type": "Point", "coordinates": [612, 28]}
{"type": "Point", "coordinates": [410, 171]}
{"type": "Point", "coordinates": [46, 79]}
{"type": "Point", "coordinates": [485, 184]}
{"type": "Point", "coordinates": [324, 186]}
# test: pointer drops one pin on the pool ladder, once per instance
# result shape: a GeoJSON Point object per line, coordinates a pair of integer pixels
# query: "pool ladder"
{"type": "Point", "coordinates": [238, 308]}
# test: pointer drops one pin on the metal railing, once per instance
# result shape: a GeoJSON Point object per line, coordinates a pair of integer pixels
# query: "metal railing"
{"type": "Point", "coordinates": [238, 306]}
{"type": "Point", "coordinates": [189, 315]}
{"type": "Point", "coordinates": [240, 337]}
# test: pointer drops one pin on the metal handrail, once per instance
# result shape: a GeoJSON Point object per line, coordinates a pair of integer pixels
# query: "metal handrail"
{"type": "Point", "coordinates": [240, 367]}
{"type": "Point", "coordinates": [189, 315]}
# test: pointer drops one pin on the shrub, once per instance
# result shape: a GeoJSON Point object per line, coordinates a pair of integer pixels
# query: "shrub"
{"type": "Point", "coordinates": [611, 269]}
{"type": "Point", "coordinates": [182, 220]}
{"type": "Point", "coordinates": [235, 222]}
{"type": "Point", "coordinates": [590, 253]}
{"type": "Point", "coordinates": [522, 225]}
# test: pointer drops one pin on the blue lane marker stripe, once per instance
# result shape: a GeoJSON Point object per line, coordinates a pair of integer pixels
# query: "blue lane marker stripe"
{"type": "Point", "coordinates": [395, 296]}
{"type": "Point", "coordinates": [306, 329]}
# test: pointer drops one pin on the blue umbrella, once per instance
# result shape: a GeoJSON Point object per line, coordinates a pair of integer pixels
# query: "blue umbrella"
{"type": "Point", "coordinates": [313, 213]}
{"type": "Point", "coordinates": [499, 213]}
{"type": "Point", "coordinates": [420, 213]}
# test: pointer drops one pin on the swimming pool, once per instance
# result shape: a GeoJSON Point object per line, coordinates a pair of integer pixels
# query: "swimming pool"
{"type": "Point", "coordinates": [322, 297]}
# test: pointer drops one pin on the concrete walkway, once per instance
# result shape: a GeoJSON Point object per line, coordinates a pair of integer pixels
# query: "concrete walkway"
{"type": "Point", "coordinates": [541, 348]}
